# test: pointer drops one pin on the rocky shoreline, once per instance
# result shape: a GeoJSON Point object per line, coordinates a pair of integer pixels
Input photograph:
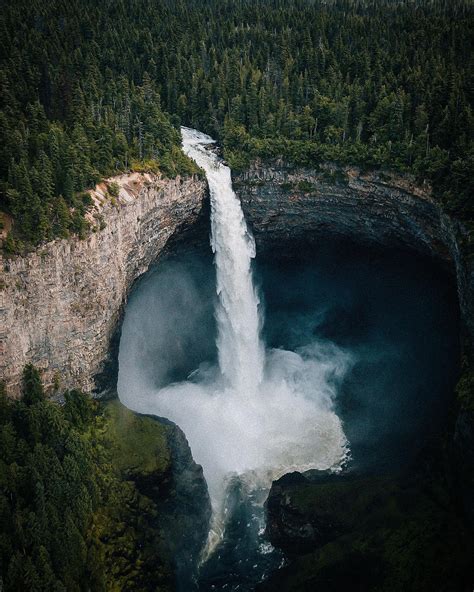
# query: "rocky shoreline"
{"type": "Point", "coordinates": [369, 532]}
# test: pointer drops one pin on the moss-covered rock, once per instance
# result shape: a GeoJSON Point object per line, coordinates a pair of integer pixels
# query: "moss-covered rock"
{"type": "Point", "coordinates": [381, 533]}
{"type": "Point", "coordinates": [150, 531]}
{"type": "Point", "coordinates": [138, 443]}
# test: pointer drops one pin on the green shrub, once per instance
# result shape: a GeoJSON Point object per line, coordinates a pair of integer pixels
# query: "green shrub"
{"type": "Point", "coordinates": [113, 189]}
{"type": "Point", "coordinates": [305, 186]}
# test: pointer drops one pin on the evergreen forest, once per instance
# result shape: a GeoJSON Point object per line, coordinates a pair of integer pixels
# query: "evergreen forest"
{"type": "Point", "coordinates": [80, 488]}
{"type": "Point", "coordinates": [93, 88]}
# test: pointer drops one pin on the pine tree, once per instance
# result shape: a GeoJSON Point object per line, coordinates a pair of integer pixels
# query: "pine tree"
{"type": "Point", "coordinates": [32, 386]}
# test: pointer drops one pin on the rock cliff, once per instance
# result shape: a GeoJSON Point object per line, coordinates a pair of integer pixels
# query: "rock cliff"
{"type": "Point", "coordinates": [291, 207]}
{"type": "Point", "coordinates": [61, 304]}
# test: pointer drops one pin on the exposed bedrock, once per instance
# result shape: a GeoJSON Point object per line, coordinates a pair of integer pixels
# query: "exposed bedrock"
{"type": "Point", "coordinates": [62, 304]}
{"type": "Point", "coordinates": [289, 208]}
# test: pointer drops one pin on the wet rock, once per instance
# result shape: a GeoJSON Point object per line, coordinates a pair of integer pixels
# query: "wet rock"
{"type": "Point", "coordinates": [290, 524]}
{"type": "Point", "coordinates": [463, 444]}
{"type": "Point", "coordinates": [187, 513]}
{"type": "Point", "coordinates": [368, 533]}
{"type": "Point", "coordinates": [62, 305]}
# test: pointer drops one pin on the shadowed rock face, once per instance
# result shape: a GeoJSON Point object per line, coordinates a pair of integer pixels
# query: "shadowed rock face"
{"type": "Point", "coordinates": [62, 304]}
{"type": "Point", "coordinates": [286, 204]}
{"type": "Point", "coordinates": [368, 533]}
{"type": "Point", "coordinates": [290, 208]}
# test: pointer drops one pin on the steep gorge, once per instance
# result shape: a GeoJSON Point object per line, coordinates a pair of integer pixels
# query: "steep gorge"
{"type": "Point", "coordinates": [62, 304]}
{"type": "Point", "coordinates": [290, 208]}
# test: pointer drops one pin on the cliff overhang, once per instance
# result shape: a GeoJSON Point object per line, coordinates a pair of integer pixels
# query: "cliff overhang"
{"type": "Point", "coordinates": [63, 303]}
{"type": "Point", "coordinates": [289, 206]}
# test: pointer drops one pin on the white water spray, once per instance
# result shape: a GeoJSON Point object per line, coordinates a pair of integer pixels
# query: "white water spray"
{"type": "Point", "coordinates": [260, 414]}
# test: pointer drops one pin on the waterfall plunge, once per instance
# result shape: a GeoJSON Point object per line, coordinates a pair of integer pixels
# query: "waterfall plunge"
{"type": "Point", "coordinates": [241, 353]}
{"type": "Point", "coordinates": [261, 413]}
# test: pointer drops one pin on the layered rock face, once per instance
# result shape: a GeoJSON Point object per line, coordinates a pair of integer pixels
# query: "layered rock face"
{"type": "Point", "coordinates": [288, 208]}
{"type": "Point", "coordinates": [62, 303]}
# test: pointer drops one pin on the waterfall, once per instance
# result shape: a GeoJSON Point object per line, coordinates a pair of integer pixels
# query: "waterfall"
{"type": "Point", "coordinates": [262, 412]}
{"type": "Point", "coordinates": [240, 350]}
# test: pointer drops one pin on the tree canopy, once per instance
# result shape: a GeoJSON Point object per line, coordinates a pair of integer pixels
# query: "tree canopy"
{"type": "Point", "coordinates": [73, 515]}
{"type": "Point", "coordinates": [92, 88]}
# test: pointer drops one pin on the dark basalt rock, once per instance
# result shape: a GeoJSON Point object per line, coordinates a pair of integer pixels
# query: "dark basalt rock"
{"type": "Point", "coordinates": [290, 528]}
{"type": "Point", "coordinates": [292, 209]}
{"type": "Point", "coordinates": [184, 508]}
{"type": "Point", "coordinates": [288, 209]}
{"type": "Point", "coordinates": [363, 532]}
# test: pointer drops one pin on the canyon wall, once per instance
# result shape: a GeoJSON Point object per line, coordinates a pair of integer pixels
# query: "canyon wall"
{"type": "Point", "coordinates": [61, 305]}
{"type": "Point", "coordinates": [288, 208]}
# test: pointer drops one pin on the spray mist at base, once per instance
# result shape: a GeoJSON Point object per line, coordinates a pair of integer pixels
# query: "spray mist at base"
{"type": "Point", "coordinates": [289, 425]}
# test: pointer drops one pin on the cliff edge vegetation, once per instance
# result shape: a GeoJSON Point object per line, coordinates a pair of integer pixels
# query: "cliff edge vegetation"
{"type": "Point", "coordinates": [366, 532]}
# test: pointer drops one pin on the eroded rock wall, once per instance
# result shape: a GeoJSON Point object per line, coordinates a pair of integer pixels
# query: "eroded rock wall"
{"type": "Point", "coordinates": [61, 304]}
{"type": "Point", "coordinates": [291, 207]}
